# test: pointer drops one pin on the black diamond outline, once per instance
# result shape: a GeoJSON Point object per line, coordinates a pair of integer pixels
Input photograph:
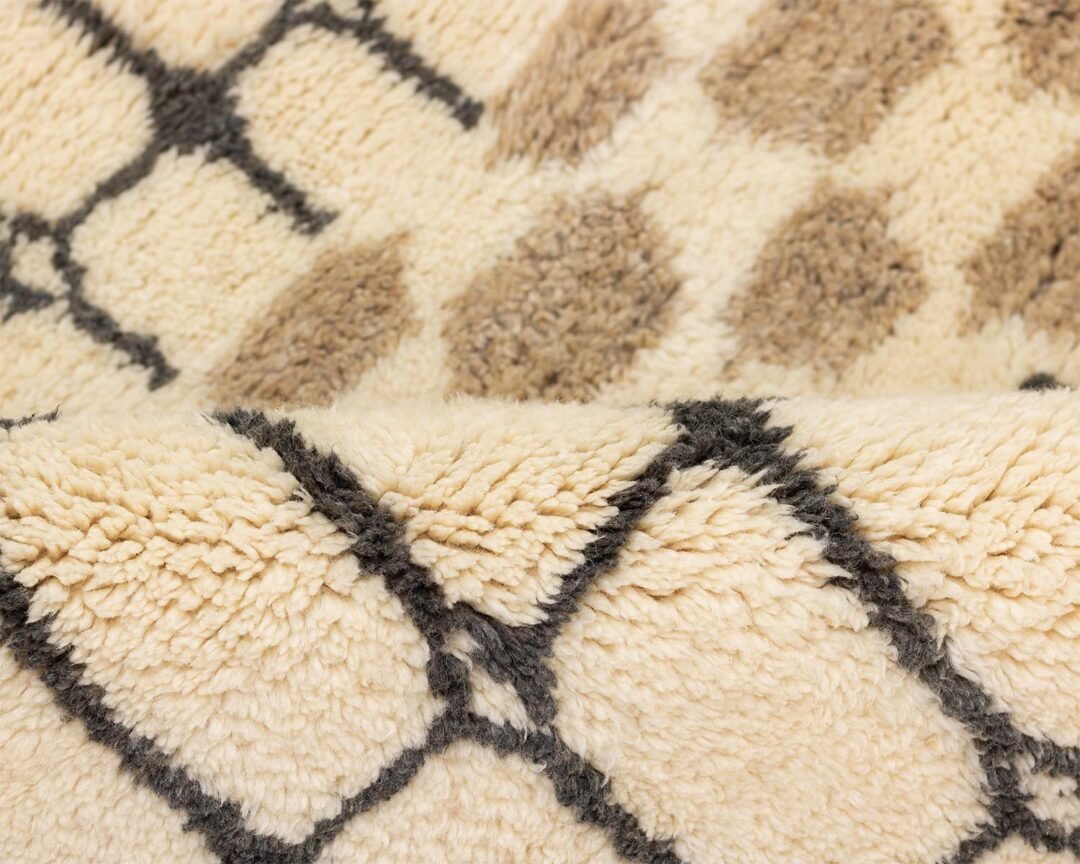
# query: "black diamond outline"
{"type": "Point", "coordinates": [381, 550]}
{"type": "Point", "coordinates": [717, 432]}
{"type": "Point", "coordinates": [192, 109]}
{"type": "Point", "coordinates": [380, 547]}
{"type": "Point", "coordinates": [740, 433]}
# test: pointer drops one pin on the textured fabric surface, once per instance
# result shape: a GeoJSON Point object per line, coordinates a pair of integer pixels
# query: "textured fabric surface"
{"type": "Point", "coordinates": [274, 201]}
{"type": "Point", "coordinates": [596, 430]}
{"type": "Point", "coordinates": [711, 631]}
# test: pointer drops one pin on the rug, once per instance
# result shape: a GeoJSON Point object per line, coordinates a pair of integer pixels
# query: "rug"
{"type": "Point", "coordinates": [590, 430]}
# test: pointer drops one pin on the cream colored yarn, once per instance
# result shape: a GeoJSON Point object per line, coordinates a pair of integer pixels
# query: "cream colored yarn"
{"type": "Point", "coordinates": [365, 490]}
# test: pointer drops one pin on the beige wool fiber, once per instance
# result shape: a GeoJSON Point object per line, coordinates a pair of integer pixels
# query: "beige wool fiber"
{"type": "Point", "coordinates": [579, 431]}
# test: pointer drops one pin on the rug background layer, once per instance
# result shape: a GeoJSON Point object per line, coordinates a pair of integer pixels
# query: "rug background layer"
{"type": "Point", "coordinates": [497, 632]}
{"type": "Point", "coordinates": [278, 201]}
{"type": "Point", "coordinates": [410, 619]}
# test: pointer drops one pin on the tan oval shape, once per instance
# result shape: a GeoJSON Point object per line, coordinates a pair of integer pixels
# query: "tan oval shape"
{"type": "Point", "coordinates": [1045, 36]}
{"type": "Point", "coordinates": [828, 285]}
{"type": "Point", "coordinates": [1031, 266]}
{"type": "Point", "coordinates": [319, 336]}
{"type": "Point", "coordinates": [597, 59]}
{"type": "Point", "coordinates": [826, 72]}
{"type": "Point", "coordinates": [583, 291]}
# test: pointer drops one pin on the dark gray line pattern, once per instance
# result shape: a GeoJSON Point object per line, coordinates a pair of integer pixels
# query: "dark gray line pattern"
{"type": "Point", "coordinates": [196, 111]}
{"type": "Point", "coordinates": [381, 549]}
{"type": "Point", "coordinates": [739, 435]}
{"type": "Point", "coordinates": [252, 54]}
{"type": "Point", "coordinates": [100, 326]}
{"type": "Point", "coordinates": [379, 540]}
{"type": "Point", "coordinates": [578, 785]}
{"type": "Point", "coordinates": [398, 55]}
{"type": "Point", "coordinates": [91, 319]}
{"type": "Point", "coordinates": [1053, 758]}
{"type": "Point", "coordinates": [221, 823]}
{"type": "Point", "coordinates": [116, 184]}
{"type": "Point", "coordinates": [720, 433]}
{"type": "Point", "coordinates": [517, 654]}
{"type": "Point", "coordinates": [7, 423]}
{"type": "Point", "coordinates": [190, 110]}
{"type": "Point", "coordinates": [20, 297]}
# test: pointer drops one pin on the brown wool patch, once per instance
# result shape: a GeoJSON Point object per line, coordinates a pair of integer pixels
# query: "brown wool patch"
{"type": "Point", "coordinates": [597, 59]}
{"type": "Point", "coordinates": [566, 312]}
{"type": "Point", "coordinates": [826, 72]}
{"type": "Point", "coordinates": [1047, 37]}
{"type": "Point", "coordinates": [1031, 267]}
{"type": "Point", "coordinates": [319, 336]}
{"type": "Point", "coordinates": [828, 285]}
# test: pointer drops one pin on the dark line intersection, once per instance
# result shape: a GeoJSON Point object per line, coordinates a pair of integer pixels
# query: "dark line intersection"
{"type": "Point", "coordinates": [193, 110]}
{"type": "Point", "coordinates": [718, 432]}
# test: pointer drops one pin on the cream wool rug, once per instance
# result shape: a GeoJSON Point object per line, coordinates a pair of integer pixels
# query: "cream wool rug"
{"type": "Point", "coordinates": [594, 430]}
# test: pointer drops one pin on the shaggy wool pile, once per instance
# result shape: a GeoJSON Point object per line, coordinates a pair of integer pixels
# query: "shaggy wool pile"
{"type": "Point", "coordinates": [595, 430]}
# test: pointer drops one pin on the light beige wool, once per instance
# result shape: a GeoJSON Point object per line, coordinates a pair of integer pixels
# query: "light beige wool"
{"type": "Point", "coordinates": [739, 700]}
{"type": "Point", "coordinates": [584, 199]}
{"type": "Point", "coordinates": [369, 525]}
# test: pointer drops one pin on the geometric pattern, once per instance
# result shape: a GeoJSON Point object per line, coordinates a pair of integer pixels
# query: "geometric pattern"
{"type": "Point", "coordinates": [592, 200]}
{"type": "Point", "coordinates": [677, 150]}
{"type": "Point", "coordinates": [193, 111]}
{"type": "Point", "coordinates": [723, 434]}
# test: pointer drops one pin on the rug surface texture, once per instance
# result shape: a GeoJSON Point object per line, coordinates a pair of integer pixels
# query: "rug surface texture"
{"type": "Point", "coordinates": [593, 430]}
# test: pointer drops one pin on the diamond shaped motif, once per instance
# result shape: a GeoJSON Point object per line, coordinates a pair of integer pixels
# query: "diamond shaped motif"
{"type": "Point", "coordinates": [261, 658]}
